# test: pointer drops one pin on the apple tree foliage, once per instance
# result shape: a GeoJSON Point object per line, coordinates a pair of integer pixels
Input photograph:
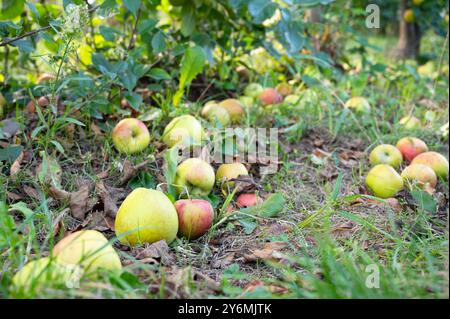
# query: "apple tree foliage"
{"type": "Point", "coordinates": [104, 51]}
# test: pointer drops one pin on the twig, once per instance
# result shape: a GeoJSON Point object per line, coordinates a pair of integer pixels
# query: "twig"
{"type": "Point", "coordinates": [31, 33]}
{"type": "Point", "coordinates": [131, 43]}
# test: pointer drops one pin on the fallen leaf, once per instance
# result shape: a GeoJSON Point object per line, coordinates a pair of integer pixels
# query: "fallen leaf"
{"type": "Point", "coordinates": [250, 287]}
{"type": "Point", "coordinates": [79, 201]}
{"type": "Point", "coordinates": [224, 261]}
{"type": "Point", "coordinates": [270, 251]}
{"type": "Point", "coordinates": [30, 191]}
{"type": "Point", "coordinates": [9, 128]}
{"type": "Point", "coordinates": [159, 250]}
{"type": "Point", "coordinates": [15, 167]}
{"type": "Point", "coordinates": [109, 206]}
{"type": "Point", "coordinates": [129, 171]}
{"type": "Point", "coordinates": [277, 228]}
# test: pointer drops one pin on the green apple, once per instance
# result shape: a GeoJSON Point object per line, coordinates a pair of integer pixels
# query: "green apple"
{"type": "Point", "coordinates": [386, 154]}
{"type": "Point", "coordinates": [216, 113]}
{"type": "Point", "coordinates": [194, 177]}
{"type": "Point", "coordinates": [234, 108]}
{"type": "Point", "coordinates": [421, 176]}
{"type": "Point", "coordinates": [359, 104]}
{"type": "Point", "coordinates": [195, 217]}
{"type": "Point", "coordinates": [89, 249]}
{"type": "Point", "coordinates": [253, 90]}
{"type": "Point", "coordinates": [183, 130]}
{"type": "Point", "coordinates": [43, 273]}
{"type": "Point", "coordinates": [247, 101]}
{"type": "Point", "coordinates": [435, 161]}
{"type": "Point", "coordinates": [227, 172]}
{"type": "Point", "coordinates": [146, 216]}
{"type": "Point", "coordinates": [130, 136]}
{"type": "Point", "coordinates": [410, 122]}
{"type": "Point", "coordinates": [410, 147]}
{"type": "Point", "coordinates": [384, 181]}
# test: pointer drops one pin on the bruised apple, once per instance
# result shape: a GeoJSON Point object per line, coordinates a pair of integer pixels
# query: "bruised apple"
{"type": "Point", "coordinates": [146, 216]}
{"type": "Point", "coordinates": [195, 217]}
{"type": "Point", "coordinates": [270, 96]}
{"type": "Point", "coordinates": [421, 176]}
{"type": "Point", "coordinates": [435, 161]}
{"type": "Point", "coordinates": [410, 147]}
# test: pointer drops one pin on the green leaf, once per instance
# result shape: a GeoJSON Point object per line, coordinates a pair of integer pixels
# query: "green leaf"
{"type": "Point", "coordinates": [23, 208]}
{"type": "Point", "coordinates": [192, 64]}
{"type": "Point", "coordinates": [159, 42]}
{"type": "Point", "coordinates": [261, 9]}
{"type": "Point", "coordinates": [10, 153]}
{"type": "Point", "coordinates": [159, 74]}
{"type": "Point", "coordinates": [187, 20]}
{"type": "Point", "coordinates": [58, 146]}
{"type": "Point", "coordinates": [249, 225]}
{"type": "Point", "coordinates": [134, 99]}
{"type": "Point", "coordinates": [171, 163]}
{"type": "Point", "coordinates": [132, 5]}
{"type": "Point", "coordinates": [143, 179]}
{"type": "Point", "coordinates": [269, 208]}
{"type": "Point", "coordinates": [11, 9]}
{"type": "Point", "coordinates": [424, 201]}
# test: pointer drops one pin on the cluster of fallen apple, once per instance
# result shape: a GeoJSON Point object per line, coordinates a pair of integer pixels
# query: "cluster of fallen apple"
{"type": "Point", "coordinates": [423, 171]}
{"type": "Point", "coordinates": [148, 215]}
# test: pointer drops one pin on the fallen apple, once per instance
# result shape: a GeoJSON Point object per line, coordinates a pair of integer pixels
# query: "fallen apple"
{"type": "Point", "coordinates": [284, 89]}
{"type": "Point", "coordinates": [410, 122]}
{"type": "Point", "coordinates": [359, 104]}
{"type": "Point", "coordinates": [435, 161]}
{"type": "Point", "coordinates": [234, 108]}
{"type": "Point", "coordinates": [386, 154]}
{"type": "Point", "coordinates": [253, 90]}
{"type": "Point", "coordinates": [227, 172]}
{"type": "Point", "coordinates": [89, 249]}
{"type": "Point", "coordinates": [247, 101]}
{"type": "Point", "coordinates": [384, 181]}
{"type": "Point", "coordinates": [194, 177]}
{"type": "Point", "coordinates": [43, 273]}
{"type": "Point", "coordinates": [146, 216]}
{"type": "Point", "coordinates": [130, 136]}
{"type": "Point", "coordinates": [410, 147]}
{"type": "Point", "coordinates": [421, 176]}
{"type": "Point", "coordinates": [46, 77]}
{"type": "Point", "coordinates": [270, 96]}
{"type": "Point", "coordinates": [42, 102]}
{"type": "Point", "coordinates": [247, 200]}
{"type": "Point", "coordinates": [292, 99]}
{"type": "Point", "coordinates": [195, 217]}
{"type": "Point", "coordinates": [216, 113]}
{"type": "Point", "coordinates": [184, 129]}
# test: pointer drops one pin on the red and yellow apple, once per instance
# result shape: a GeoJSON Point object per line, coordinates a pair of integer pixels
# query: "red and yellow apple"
{"type": "Point", "coordinates": [434, 160]}
{"type": "Point", "coordinates": [184, 129]}
{"type": "Point", "coordinates": [386, 154]}
{"type": "Point", "coordinates": [146, 216]}
{"type": "Point", "coordinates": [421, 176]}
{"type": "Point", "coordinates": [194, 177]}
{"type": "Point", "coordinates": [270, 96]}
{"type": "Point", "coordinates": [195, 217]}
{"type": "Point", "coordinates": [410, 147]}
{"type": "Point", "coordinates": [130, 136]}
{"type": "Point", "coordinates": [384, 181]}
{"type": "Point", "coordinates": [247, 200]}
{"type": "Point", "coordinates": [234, 108]}
{"type": "Point", "coordinates": [42, 102]}
{"type": "Point", "coordinates": [89, 249]}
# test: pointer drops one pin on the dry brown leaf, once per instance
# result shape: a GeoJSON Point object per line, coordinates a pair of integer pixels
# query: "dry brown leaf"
{"type": "Point", "coordinates": [271, 288]}
{"type": "Point", "coordinates": [277, 228]}
{"type": "Point", "coordinates": [109, 206]}
{"type": "Point", "coordinates": [15, 167]}
{"type": "Point", "coordinates": [224, 261]}
{"type": "Point", "coordinates": [13, 196]}
{"type": "Point", "coordinates": [96, 130]}
{"type": "Point", "coordinates": [129, 171]}
{"type": "Point", "coordinates": [30, 191]}
{"type": "Point", "coordinates": [271, 251]}
{"type": "Point", "coordinates": [159, 250]}
{"type": "Point", "coordinates": [79, 201]}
